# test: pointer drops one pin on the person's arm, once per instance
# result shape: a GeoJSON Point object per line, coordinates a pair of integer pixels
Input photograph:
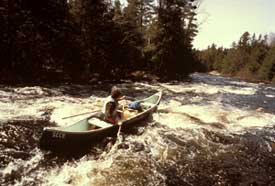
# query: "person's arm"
{"type": "Point", "coordinates": [121, 98]}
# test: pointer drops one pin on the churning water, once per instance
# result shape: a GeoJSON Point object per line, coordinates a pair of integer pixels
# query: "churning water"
{"type": "Point", "coordinates": [210, 131]}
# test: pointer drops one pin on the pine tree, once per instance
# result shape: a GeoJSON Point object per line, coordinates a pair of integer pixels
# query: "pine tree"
{"type": "Point", "coordinates": [172, 52]}
{"type": "Point", "coordinates": [258, 52]}
{"type": "Point", "coordinates": [139, 13]}
{"type": "Point", "coordinates": [267, 70]}
{"type": "Point", "coordinates": [244, 42]}
{"type": "Point", "coordinates": [4, 37]}
{"type": "Point", "coordinates": [242, 54]}
{"type": "Point", "coordinates": [117, 11]}
{"type": "Point", "coordinates": [96, 26]}
{"type": "Point", "coordinates": [191, 29]}
{"type": "Point", "coordinates": [36, 31]}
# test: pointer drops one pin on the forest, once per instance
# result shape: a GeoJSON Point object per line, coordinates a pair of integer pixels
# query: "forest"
{"type": "Point", "coordinates": [251, 58]}
{"type": "Point", "coordinates": [81, 41]}
{"type": "Point", "coordinates": [87, 40]}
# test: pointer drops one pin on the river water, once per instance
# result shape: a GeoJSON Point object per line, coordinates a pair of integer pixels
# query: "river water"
{"type": "Point", "coordinates": [211, 131]}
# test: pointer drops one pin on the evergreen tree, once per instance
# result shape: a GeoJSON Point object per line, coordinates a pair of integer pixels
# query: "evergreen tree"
{"type": "Point", "coordinates": [139, 13]}
{"type": "Point", "coordinates": [130, 36]}
{"type": "Point", "coordinates": [117, 11]}
{"type": "Point", "coordinates": [208, 57]}
{"type": "Point", "coordinates": [219, 56]}
{"type": "Point", "coordinates": [241, 55]}
{"type": "Point", "coordinates": [257, 54]}
{"type": "Point", "coordinates": [267, 70]}
{"type": "Point", "coordinates": [95, 20]}
{"type": "Point", "coordinates": [191, 29]}
{"type": "Point", "coordinates": [4, 37]}
{"type": "Point", "coordinates": [35, 31]}
{"type": "Point", "coordinates": [72, 40]}
{"type": "Point", "coordinates": [244, 42]}
{"type": "Point", "coordinates": [173, 55]}
{"type": "Point", "coordinates": [252, 58]}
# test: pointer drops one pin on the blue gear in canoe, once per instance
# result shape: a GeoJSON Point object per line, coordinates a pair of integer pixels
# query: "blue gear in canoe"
{"type": "Point", "coordinates": [135, 106]}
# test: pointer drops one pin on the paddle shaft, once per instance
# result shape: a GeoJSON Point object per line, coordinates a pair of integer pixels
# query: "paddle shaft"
{"type": "Point", "coordinates": [80, 114]}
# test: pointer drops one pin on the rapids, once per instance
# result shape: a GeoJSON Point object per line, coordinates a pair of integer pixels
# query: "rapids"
{"type": "Point", "coordinates": [210, 131]}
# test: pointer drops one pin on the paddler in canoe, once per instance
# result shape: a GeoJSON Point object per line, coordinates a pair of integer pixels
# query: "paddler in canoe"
{"type": "Point", "coordinates": [111, 109]}
{"type": "Point", "coordinates": [114, 112]}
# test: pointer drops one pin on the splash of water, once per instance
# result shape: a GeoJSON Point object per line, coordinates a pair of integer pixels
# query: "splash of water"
{"type": "Point", "coordinates": [211, 131]}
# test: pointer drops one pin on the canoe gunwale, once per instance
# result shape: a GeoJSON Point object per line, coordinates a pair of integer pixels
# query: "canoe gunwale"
{"type": "Point", "coordinates": [61, 129]}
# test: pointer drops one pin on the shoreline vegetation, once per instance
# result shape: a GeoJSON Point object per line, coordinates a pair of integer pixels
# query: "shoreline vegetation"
{"type": "Point", "coordinates": [216, 73]}
{"type": "Point", "coordinates": [80, 41]}
{"type": "Point", "coordinates": [84, 41]}
{"type": "Point", "coordinates": [252, 58]}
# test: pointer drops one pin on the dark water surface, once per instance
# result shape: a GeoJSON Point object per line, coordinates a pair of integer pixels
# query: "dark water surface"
{"type": "Point", "coordinates": [210, 131]}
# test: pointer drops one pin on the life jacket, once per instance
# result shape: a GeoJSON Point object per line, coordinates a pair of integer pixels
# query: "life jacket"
{"type": "Point", "coordinates": [110, 116]}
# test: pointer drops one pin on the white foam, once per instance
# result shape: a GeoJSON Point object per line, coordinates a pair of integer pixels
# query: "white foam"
{"type": "Point", "coordinates": [60, 106]}
{"type": "Point", "coordinates": [25, 166]}
{"type": "Point", "coordinates": [178, 116]}
{"type": "Point", "coordinates": [210, 89]}
{"type": "Point", "coordinates": [65, 109]}
{"type": "Point", "coordinates": [83, 172]}
{"type": "Point", "coordinates": [196, 116]}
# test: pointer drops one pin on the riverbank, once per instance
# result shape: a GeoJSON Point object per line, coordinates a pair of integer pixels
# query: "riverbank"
{"type": "Point", "coordinates": [216, 73]}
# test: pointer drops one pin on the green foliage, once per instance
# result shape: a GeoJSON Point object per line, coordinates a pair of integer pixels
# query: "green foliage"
{"type": "Point", "coordinates": [60, 40]}
{"type": "Point", "coordinates": [35, 32]}
{"type": "Point", "coordinates": [4, 36]}
{"type": "Point", "coordinates": [267, 70]}
{"type": "Point", "coordinates": [171, 39]}
{"type": "Point", "coordinates": [251, 58]}
{"type": "Point", "coordinates": [231, 61]}
{"type": "Point", "coordinates": [139, 13]}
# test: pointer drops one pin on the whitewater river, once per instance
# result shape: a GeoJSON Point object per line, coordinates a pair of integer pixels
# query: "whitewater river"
{"type": "Point", "coordinates": [209, 131]}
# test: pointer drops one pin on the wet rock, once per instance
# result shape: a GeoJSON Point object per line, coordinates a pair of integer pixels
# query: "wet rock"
{"type": "Point", "coordinates": [140, 131]}
{"type": "Point", "coordinates": [260, 109]}
{"type": "Point", "coordinates": [137, 147]}
{"type": "Point", "coordinates": [123, 146]}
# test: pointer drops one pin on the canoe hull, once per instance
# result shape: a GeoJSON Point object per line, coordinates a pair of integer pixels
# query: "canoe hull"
{"type": "Point", "coordinates": [55, 140]}
{"type": "Point", "coordinates": [58, 140]}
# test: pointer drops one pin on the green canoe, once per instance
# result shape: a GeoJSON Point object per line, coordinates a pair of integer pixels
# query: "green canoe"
{"type": "Point", "coordinates": [80, 133]}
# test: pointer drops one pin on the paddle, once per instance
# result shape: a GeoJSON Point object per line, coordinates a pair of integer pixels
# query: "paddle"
{"type": "Point", "coordinates": [118, 132]}
{"type": "Point", "coordinates": [81, 114]}
{"type": "Point", "coordinates": [119, 126]}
